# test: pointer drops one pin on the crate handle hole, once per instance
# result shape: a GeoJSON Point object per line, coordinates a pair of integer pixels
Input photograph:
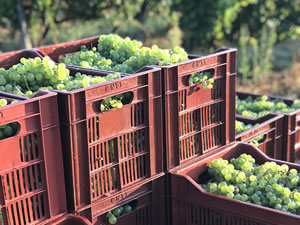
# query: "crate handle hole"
{"type": "Point", "coordinates": [115, 102]}
{"type": "Point", "coordinates": [201, 77]}
{"type": "Point", "coordinates": [9, 130]}
{"type": "Point", "coordinates": [122, 210]}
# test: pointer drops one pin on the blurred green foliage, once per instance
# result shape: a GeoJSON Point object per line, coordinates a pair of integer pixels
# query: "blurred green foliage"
{"type": "Point", "coordinates": [254, 26]}
{"type": "Point", "coordinates": [210, 24]}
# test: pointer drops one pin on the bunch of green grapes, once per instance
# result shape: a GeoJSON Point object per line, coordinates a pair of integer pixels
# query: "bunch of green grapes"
{"type": "Point", "coordinates": [241, 127]}
{"type": "Point", "coordinates": [156, 56]}
{"type": "Point", "coordinates": [116, 101]}
{"type": "Point", "coordinates": [33, 75]}
{"type": "Point", "coordinates": [88, 59]}
{"type": "Point", "coordinates": [7, 130]}
{"type": "Point", "coordinates": [270, 185]}
{"type": "Point", "coordinates": [123, 55]}
{"type": "Point", "coordinates": [112, 216]}
{"type": "Point", "coordinates": [118, 49]}
{"type": "Point", "coordinates": [205, 78]}
{"type": "Point", "coordinates": [262, 106]}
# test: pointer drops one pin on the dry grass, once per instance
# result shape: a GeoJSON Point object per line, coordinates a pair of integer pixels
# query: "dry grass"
{"type": "Point", "coordinates": [285, 83]}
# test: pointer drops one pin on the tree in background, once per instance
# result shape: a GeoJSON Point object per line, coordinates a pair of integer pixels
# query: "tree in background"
{"type": "Point", "coordinates": [254, 26]}
{"type": "Point", "coordinates": [209, 23]}
{"type": "Point", "coordinates": [43, 15]}
{"type": "Point", "coordinates": [35, 18]}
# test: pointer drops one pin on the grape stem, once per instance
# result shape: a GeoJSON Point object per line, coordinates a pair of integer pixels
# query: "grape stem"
{"type": "Point", "coordinates": [20, 91]}
{"type": "Point", "coordinates": [26, 83]}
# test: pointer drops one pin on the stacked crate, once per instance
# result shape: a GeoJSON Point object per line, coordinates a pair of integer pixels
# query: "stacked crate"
{"type": "Point", "coordinates": [113, 158]}
{"type": "Point", "coordinates": [291, 129]}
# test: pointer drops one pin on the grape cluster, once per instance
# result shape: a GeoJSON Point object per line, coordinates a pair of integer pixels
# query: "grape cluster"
{"type": "Point", "coordinates": [33, 75]}
{"type": "Point", "coordinates": [270, 185]}
{"type": "Point", "coordinates": [123, 55]}
{"type": "Point", "coordinates": [262, 106]}
{"type": "Point", "coordinates": [88, 59]}
{"type": "Point", "coordinates": [8, 130]}
{"type": "Point", "coordinates": [114, 214]}
{"type": "Point", "coordinates": [241, 127]}
{"type": "Point", "coordinates": [205, 78]}
{"type": "Point", "coordinates": [116, 101]}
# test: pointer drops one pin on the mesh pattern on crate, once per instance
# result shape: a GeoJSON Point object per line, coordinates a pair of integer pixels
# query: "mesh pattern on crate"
{"type": "Point", "coordinates": [201, 130]}
{"type": "Point", "coordinates": [143, 216]}
{"type": "Point", "coordinates": [118, 162]}
{"type": "Point", "coordinates": [206, 216]}
{"type": "Point", "coordinates": [137, 114]}
{"type": "Point", "coordinates": [23, 188]}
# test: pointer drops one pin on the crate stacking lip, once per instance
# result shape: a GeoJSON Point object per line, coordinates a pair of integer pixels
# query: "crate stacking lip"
{"type": "Point", "coordinates": [198, 120]}
{"type": "Point", "coordinates": [291, 128]}
{"type": "Point", "coordinates": [192, 205]}
{"type": "Point", "coordinates": [147, 201]}
{"type": "Point", "coordinates": [31, 167]}
{"type": "Point", "coordinates": [108, 152]}
{"type": "Point", "coordinates": [56, 50]}
{"type": "Point", "coordinates": [269, 130]}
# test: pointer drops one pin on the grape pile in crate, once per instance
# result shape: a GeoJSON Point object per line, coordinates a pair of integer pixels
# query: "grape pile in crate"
{"type": "Point", "coordinates": [269, 184]}
{"type": "Point", "coordinates": [35, 74]}
{"type": "Point", "coordinates": [262, 106]}
{"type": "Point", "coordinates": [123, 55]}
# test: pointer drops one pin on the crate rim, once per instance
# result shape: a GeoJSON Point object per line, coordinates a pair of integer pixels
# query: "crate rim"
{"type": "Point", "coordinates": [176, 172]}
{"type": "Point", "coordinates": [273, 118]}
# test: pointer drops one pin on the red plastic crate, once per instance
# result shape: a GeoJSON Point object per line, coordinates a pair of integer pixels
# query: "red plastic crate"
{"type": "Point", "coordinates": [56, 50]}
{"type": "Point", "coordinates": [148, 202]}
{"type": "Point", "coordinates": [106, 153]}
{"type": "Point", "coordinates": [11, 58]}
{"type": "Point", "coordinates": [134, 133]}
{"type": "Point", "coordinates": [291, 128]}
{"type": "Point", "coordinates": [191, 205]}
{"type": "Point", "coordinates": [71, 219]}
{"type": "Point", "coordinates": [198, 103]}
{"type": "Point", "coordinates": [32, 187]}
{"type": "Point", "coordinates": [198, 120]}
{"type": "Point", "coordinates": [270, 128]}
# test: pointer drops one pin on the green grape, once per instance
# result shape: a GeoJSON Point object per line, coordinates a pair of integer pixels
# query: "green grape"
{"type": "Point", "coordinates": [230, 195]}
{"type": "Point", "coordinates": [3, 102]}
{"type": "Point", "coordinates": [116, 212]}
{"type": "Point", "coordinates": [127, 208]}
{"type": "Point", "coordinates": [244, 197]}
{"type": "Point", "coordinates": [112, 219]}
